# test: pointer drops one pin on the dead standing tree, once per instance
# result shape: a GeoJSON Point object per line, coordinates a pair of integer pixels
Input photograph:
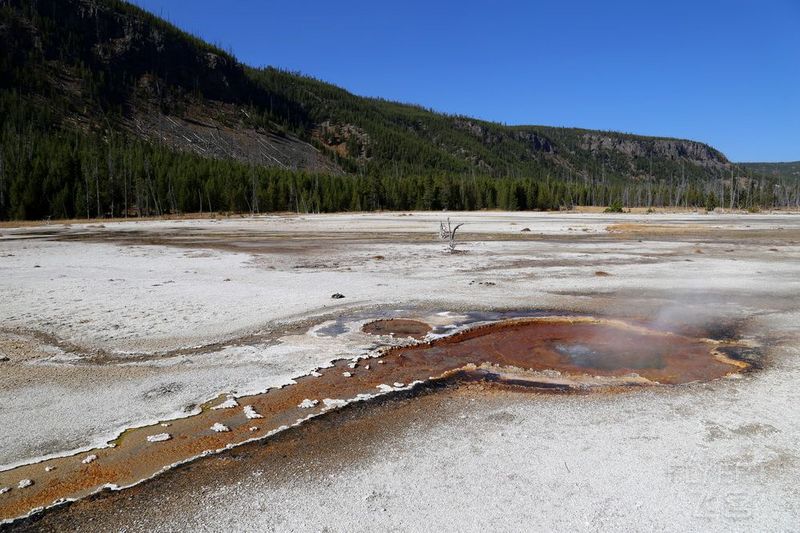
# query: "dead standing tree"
{"type": "Point", "coordinates": [448, 233]}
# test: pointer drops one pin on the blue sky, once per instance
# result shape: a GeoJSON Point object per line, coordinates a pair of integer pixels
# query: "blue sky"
{"type": "Point", "coordinates": [726, 72]}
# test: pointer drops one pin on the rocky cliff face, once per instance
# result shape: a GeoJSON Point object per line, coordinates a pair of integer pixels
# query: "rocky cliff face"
{"type": "Point", "coordinates": [672, 149]}
{"type": "Point", "coordinates": [494, 134]}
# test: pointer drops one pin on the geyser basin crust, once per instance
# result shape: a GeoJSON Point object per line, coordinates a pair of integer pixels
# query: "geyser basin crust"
{"type": "Point", "coordinates": [556, 352]}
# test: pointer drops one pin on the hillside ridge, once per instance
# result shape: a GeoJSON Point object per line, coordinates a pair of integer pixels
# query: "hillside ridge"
{"type": "Point", "coordinates": [130, 114]}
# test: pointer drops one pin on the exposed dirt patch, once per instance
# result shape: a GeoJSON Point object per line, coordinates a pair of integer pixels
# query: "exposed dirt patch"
{"type": "Point", "coordinates": [398, 327]}
{"type": "Point", "coordinates": [720, 234]}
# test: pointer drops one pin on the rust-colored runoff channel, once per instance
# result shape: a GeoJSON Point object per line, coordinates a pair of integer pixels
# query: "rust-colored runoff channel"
{"type": "Point", "coordinates": [557, 352]}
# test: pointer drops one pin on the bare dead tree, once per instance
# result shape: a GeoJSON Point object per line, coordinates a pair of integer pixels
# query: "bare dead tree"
{"type": "Point", "coordinates": [97, 187]}
{"type": "Point", "coordinates": [448, 233]}
{"type": "Point", "coordinates": [86, 186]}
{"type": "Point", "coordinates": [253, 182]}
{"type": "Point", "coordinates": [110, 162]}
{"type": "Point", "coordinates": [2, 182]}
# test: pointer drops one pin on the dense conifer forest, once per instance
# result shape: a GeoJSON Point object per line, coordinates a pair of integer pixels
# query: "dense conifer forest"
{"type": "Point", "coordinates": [108, 111]}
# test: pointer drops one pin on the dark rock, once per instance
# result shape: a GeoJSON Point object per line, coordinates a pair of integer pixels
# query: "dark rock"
{"type": "Point", "coordinates": [525, 230]}
{"type": "Point", "coordinates": [3, 359]}
{"type": "Point", "coordinates": [337, 296]}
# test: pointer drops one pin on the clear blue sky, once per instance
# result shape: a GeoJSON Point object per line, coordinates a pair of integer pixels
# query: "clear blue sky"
{"type": "Point", "coordinates": [726, 72]}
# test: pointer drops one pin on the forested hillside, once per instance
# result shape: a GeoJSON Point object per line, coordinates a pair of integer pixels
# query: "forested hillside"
{"type": "Point", "coordinates": [789, 170]}
{"type": "Point", "coordinates": [110, 111]}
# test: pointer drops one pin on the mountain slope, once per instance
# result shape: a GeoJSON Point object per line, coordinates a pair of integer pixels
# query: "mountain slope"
{"type": "Point", "coordinates": [789, 170]}
{"type": "Point", "coordinates": [109, 110]}
{"type": "Point", "coordinates": [381, 135]}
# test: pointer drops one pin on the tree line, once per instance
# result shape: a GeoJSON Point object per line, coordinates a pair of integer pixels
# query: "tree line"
{"type": "Point", "coordinates": [68, 175]}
